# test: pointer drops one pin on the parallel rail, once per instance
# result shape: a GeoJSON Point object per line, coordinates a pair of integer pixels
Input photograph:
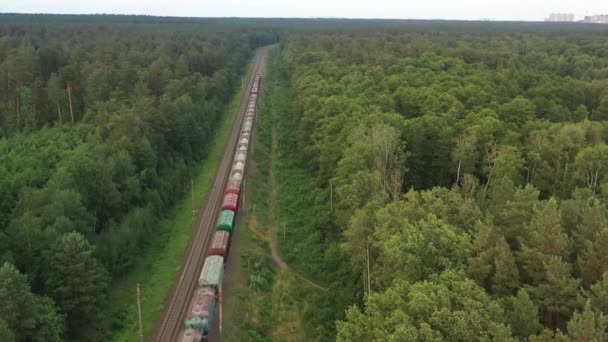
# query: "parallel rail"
{"type": "Point", "coordinates": [171, 323]}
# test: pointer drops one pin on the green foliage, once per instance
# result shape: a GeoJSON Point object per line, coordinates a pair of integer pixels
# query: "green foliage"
{"type": "Point", "coordinates": [303, 229]}
{"type": "Point", "coordinates": [77, 281]}
{"type": "Point", "coordinates": [502, 118]}
{"type": "Point", "coordinates": [24, 316]}
{"type": "Point", "coordinates": [17, 308]}
{"type": "Point", "coordinates": [50, 326]}
{"type": "Point", "coordinates": [588, 325]}
{"type": "Point", "coordinates": [374, 122]}
{"type": "Point", "coordinates": [416, 250]}
{"type": "Point", "coordinates": [523, 315]}
{"type": "Point", "coordinates": [447, 307]}
{"type": "Point", "coordinates": [101, 140]}
{"type": "Point", "coordinates": [598, 294]}
{"type": "Point", "coordinates": [5, 333]}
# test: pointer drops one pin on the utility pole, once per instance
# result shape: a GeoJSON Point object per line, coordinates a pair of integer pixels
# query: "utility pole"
{"type": "Point", "coordinates": [331, 198]}
{"type": "Point", "coordinates": [141, 330]}
{"type": "Point", "coordinates": [192, 186]}
{"type": "Point", "coordinates": [292, 334]}
{"type": "Point", "coordinates": [221, 303]}
{"type": "Point", "coordinates": [369, 283]}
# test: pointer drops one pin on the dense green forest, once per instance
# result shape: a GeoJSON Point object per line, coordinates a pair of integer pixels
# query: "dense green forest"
{"type": "Point", "coordinates": [101, 120]}
{"type": "Point", "coordinates": [455, 174]}
{"type": "Point", "coordinates": [466, 168]}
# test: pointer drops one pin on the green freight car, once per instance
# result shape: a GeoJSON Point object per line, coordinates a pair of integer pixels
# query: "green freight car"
{"type": "Point", "coordinates": [225, 221]}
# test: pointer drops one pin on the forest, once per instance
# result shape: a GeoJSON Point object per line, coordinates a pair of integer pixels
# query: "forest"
{"type": "Point", "coordinates": [102, 119]}
{"type": "Point", "coordinates": [456, 173]}
{"type": "Point", "coordinates": [467, 169]}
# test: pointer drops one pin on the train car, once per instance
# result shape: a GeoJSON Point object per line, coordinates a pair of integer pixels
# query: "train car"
{"type": "Point", "coordinates": [243, 146]}
{"type": "Point", "coordinates": [190, 335]}
{"type": "Point", "coordinates": [231, 202]}
{"type": "Point", "coordinates": [212, 273]}
{"type": "Point", "coordinates": [204, 304]}
{"type": "Point", "coordinates": [225, 221]}
{"type": "Point", "coordinates": [240, 156]}
{"type": "Point", "coordinates": [238, 167]}
{"type": "Point", "coordinates": [237, 176]}
{"type": "Point", "coordinates": [233, 187]}
{"type": "Point", "coordinates": [233, 183]}
{"type": "Point", "coordinates": [201, 313]}
{"type": "Point", "coordinates": [220, 245]}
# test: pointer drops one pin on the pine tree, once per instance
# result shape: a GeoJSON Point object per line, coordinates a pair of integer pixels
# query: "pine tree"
{"type": "Point", "coordinates": [17, 302]}
{"type": "Point", "coordinates": [55, 92]}
{"type": "Point", "coordinates": [546, 239]}
{"type": "Point", "coordinates": [49, 324]}
{"type": "Point", "coordinates": [598, 294]}
{"type": "Point", "coordinates": [6, 335]}
{"type": "Point", "coordinates": [28, 115]}
{"type": "Point", "coordinates": [557, 293]}
{"type": "Point", "coordinates": [588, 326]}
{"type": "Point", "coordinates": [481, 266]}
{"type": "Point", "coordinates": [77, 281]}
{"type": "Point", "coordinates": [593, 260]}
{"type": "Point", "coordinates": [506, 276]}
{"type": "Point", "coordinates": [524, 316]}
{"type": "Point", "coordinates": [581, 113]}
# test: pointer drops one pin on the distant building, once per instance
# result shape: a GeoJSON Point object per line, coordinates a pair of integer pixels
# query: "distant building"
{"type": "Point", "coordinates": [596, 19]}
{"type": "Point", "coordinates": [560, 17]}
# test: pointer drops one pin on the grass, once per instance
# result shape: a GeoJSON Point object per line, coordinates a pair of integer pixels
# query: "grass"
{"type": "Point", "coordinates": [158, 268]}
{"type": "Point", "coordinates": [283, 307]}
{"type": "Point", "coordinates": [270, 309]}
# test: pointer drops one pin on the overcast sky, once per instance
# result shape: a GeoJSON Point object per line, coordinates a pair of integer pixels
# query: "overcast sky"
{"type": "Point", "coordinates": [406, 9]}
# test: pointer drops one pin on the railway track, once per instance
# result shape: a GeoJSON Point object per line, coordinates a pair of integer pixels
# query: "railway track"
{"type": "Point", "coordinates": [171, 322]}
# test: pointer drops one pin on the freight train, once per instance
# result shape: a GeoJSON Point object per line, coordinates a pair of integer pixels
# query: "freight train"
{"type": "Point", "coordinates": [205, 302]}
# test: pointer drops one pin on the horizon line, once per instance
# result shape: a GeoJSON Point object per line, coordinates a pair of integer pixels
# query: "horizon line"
{"type": "Point", "coordinates": [284, 17]}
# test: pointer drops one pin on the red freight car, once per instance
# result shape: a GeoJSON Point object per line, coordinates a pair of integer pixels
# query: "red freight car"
{"type": "Point", "coordinates": [201, 313]}
{"type": "Point", "coordinates": [231, 202]}
{"type": "Point", "coordinates": [220, 245]}
{"type": "Point", "coordinates": [233, 187]}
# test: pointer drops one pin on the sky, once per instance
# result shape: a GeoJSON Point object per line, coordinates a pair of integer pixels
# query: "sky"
{"type": "Point", "coordinates": [394, 9]}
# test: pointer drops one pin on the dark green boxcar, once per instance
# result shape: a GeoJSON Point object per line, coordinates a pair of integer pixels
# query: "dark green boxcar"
{"type": "Point", "coordinates": [225, 221]}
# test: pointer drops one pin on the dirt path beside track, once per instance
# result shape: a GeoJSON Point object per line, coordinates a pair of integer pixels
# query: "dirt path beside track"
{"type": "Point", "coordinates": [272, 203]}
